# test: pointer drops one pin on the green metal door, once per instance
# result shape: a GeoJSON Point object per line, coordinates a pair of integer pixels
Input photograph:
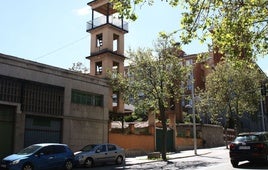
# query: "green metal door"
{"type": "Point", "coordinates": [6, 130]}
{"type": "Point", "coordinates": [169, 142]}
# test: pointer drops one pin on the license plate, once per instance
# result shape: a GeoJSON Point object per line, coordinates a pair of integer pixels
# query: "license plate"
{"type": "Point", "coordinates": [244, 147]}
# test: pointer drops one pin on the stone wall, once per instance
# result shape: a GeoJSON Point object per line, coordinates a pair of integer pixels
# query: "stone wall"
{"type": "Point", "coordinates": [211, 135]}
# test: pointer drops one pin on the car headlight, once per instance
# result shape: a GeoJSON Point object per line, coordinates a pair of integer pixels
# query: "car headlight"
{"type": "Point", "coordinates": [79, 157]}
{"type": "Point", "coordinates": [15, 162]}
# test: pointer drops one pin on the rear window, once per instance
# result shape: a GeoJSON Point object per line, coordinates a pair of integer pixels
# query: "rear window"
{"type": "Point", "coordinates": [248, 138]}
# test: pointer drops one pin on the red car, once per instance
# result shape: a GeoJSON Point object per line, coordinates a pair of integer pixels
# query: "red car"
{"type": "Point", "coordinates": [251, 146]}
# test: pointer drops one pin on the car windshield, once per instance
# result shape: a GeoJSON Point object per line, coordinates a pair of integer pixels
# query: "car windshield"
{"type": "Point", "coordinates": [247, 138]}
{"type": "Point", "coordinates": [88, 148]}
{"type": "Point", "coordinates": [29, 150]}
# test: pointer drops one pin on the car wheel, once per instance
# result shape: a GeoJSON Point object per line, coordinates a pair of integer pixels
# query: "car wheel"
{"type": "Point", "coordinates": [234, 163]}
{"type": "Point", "coordinates": [89, 163]}
{"type": "Point", "coordinates": [119, 160]}
{"type": "Point", "coordinates": [28, 166]}
{"type": "Point", "coordinates": [68, 165]}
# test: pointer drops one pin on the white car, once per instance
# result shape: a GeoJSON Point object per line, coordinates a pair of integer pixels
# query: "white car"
{"type": "Point", "coordinates": [93, 154]}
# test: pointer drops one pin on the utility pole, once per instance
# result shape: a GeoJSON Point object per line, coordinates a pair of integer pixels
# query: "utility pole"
{"type": "Point", "coordinates": [263, 94]}
{"type": "Point", "coordinates": [193, 110]}
{"type": "Point", "coordinates": [262, 114]}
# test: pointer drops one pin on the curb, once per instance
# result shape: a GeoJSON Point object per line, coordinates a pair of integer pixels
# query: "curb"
{"type": "Point", "coordinates": [144, 160]}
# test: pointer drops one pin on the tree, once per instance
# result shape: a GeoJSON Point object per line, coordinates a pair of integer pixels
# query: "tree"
{"type": "Point", "coordinates": [79, 67]}
{"type": "Point", "coordinates": [238, 28]}
{"type": "Point", "coordinates": [231, 91]}
{"type": "Point", "coordinates": [154, 79]}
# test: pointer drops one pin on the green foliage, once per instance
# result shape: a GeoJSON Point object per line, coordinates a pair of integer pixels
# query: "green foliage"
{"type": "Point", "coordinates": [237, 28]}
{"type": "Point", "coordinates": [154, 78]}
{"type": "Point", "coordinates": [154, 75]}
{"type": "Point", "coordinates": [231, 91]}
{"type": "Point", "coordinates": [188, 118]}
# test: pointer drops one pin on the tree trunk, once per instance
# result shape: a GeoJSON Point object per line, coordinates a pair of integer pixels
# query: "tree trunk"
{"type": "Point", "coordinates": [164, 134]}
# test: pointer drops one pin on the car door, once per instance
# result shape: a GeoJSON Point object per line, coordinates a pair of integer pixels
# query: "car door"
{"type": "Point", "coordinates": [45, 158]}
{"type": "Point", "coordinates": [59, 156]}
{"type": "Point", "coordinates": [101, 153]}
{"type": "Point", "coordinates": [112, 152]}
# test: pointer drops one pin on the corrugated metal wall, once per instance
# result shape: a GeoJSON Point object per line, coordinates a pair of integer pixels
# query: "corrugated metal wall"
{"type": "Point", "coordinates": [42, 130]}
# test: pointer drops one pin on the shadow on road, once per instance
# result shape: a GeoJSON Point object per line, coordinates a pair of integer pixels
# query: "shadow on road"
{"type": "Point", "coordinates": [211, 157]}
{"type": "Point", "coordinates": [192, 164]}
{"type": "Point", "coordinates": [156, 165]}
{"type": "Point", "coordinates": [249, 165]}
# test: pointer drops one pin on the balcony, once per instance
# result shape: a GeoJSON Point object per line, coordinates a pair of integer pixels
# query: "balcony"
{"type": "Point", "coordinates": [97, 22]}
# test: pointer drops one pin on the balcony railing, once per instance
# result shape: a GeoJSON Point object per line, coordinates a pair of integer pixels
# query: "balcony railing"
{"type": "Point", "coordinates": [103, 20]}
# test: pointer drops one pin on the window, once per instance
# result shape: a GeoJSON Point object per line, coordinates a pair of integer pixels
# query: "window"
{"type": "Point", "coordinates": [86, 98]}
{"type": "Point", "coordinates": [37, 97]}
{"type": "Point", "coordinates": [111, 147]}
{"type": "Point", "coordinates": [47, 150]}
{"type": "Point", "coordinates": [115, 42]}
{"type": "Point", "coordinates": [98, 68]}
{"type": "Point", "coordinates": [189, 62]}
{"type": "Point", "coordinates": [115, 67]}
{"type": "Point", "coordinates": [115, 98]}
{"type": "Point", "coordinates": [10, 89]}
{"type": "Point", "coordinates": [102, 148]}
{"type": "Point", "coordinates": [43, 98]}
{"type": "Point", "coordinates": [247, 138]}
{"type": "Point", "coordinates": [99, 40]}
{"type": "Point", "coordinates": [59, 149]}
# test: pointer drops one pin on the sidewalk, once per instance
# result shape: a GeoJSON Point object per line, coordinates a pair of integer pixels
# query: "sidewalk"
{"type": "Point", "coordinates": [170, 156]}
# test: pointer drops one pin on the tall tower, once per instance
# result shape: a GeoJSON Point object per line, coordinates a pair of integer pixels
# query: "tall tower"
{"type": "Point", "coordinates": [107, 45]}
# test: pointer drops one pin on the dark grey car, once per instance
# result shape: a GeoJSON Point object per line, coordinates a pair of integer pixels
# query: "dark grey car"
{"type": "Point", "coordinates": [93, 154]}
{"type": "Point", "coordinates": [252, 146]}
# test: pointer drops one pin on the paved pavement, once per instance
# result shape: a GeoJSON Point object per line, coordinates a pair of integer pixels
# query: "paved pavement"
{"type": "Point", "coordinates": [186, 160]}
{"type": "Point", "coordinates": [170, 156]}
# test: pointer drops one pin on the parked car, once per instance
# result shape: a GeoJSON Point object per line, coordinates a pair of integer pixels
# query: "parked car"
{"type": "Point", "coordinates": [92, 154]}
{"type": "Point", "coordinates": [251, 146]}
{"type": "Point", "coordinates": [40, 156]}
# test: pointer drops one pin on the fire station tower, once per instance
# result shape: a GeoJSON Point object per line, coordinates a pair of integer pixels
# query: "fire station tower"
{"type": "Point", "coordinates": [107, 45]}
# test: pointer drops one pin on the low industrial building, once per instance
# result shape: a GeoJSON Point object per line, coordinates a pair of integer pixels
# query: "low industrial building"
{"type": "Point", "coordinates": [42, 103]}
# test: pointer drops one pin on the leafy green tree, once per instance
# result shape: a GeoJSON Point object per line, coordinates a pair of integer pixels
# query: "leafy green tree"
{"type": "Point", "coordinates": [237, 28]}
{"type": "Point", "coordinates": [232, 90]}
{"type": "Point", "coordinates": [154, 79]}
{"type": "Point", "coordinates": [79, 67]}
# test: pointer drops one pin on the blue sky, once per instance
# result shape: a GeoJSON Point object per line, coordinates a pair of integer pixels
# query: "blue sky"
{"type": "Point", "coordinates": [53, 32]}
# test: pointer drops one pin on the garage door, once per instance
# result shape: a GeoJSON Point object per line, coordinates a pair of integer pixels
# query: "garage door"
{"type": "Point", "coordinates": [42, 130]}
{"type": "Point", "coordinates": [6, 130]}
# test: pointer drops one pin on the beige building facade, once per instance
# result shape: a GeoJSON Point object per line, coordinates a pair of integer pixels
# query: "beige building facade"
{"type": "Point", "coordinates": [41, 103]}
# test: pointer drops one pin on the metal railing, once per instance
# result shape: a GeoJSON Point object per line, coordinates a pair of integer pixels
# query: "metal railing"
{"type": "Point", "coordinates": [117, 22]}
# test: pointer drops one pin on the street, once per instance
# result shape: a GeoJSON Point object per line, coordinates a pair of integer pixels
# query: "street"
{"type": "Point", "coordinates": [206, 159]}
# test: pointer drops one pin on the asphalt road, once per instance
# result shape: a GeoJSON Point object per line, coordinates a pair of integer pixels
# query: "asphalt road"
{"type": "Point", "coordinates": [210, 159]}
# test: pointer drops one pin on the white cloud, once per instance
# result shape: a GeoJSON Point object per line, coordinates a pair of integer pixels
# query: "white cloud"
{"type": "Point", "coordinates": [82, 11]}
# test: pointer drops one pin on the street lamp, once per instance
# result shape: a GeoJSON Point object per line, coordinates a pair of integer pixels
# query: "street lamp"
{"type": "Point", "coordinates": [263, 94]}
{"type": "Point", "coordinates": [193, 111]}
